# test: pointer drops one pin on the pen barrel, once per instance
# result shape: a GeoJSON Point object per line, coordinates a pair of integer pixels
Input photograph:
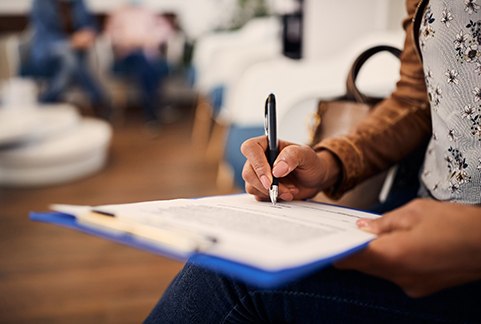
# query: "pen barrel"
{"type": "Point", "coordinates": [275, 181]}
{"type": "Point", "coordinates": [271, 155]}
{"type": "Point", "coordinates": [271, 131]}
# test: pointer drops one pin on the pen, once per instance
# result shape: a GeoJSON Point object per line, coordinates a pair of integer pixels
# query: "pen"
{"type": "Point", "coordinates": [272, 149]}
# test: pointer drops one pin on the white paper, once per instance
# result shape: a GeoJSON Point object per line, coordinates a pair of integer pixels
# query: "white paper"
{"type": "Point", "coordinates": [257, 233]}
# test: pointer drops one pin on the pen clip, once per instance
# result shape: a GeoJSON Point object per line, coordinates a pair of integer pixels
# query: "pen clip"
{"type": "Point", "coordinates": [266, 119]}
{"type": "Point", "coordinates": [270, 122]}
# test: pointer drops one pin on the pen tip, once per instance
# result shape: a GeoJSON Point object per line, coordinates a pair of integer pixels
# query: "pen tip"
{"type": "Point", "coordinates": [273, 193]}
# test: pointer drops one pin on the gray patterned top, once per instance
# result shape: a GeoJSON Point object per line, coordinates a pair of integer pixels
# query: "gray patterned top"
{"type": "Point", "coordinates": [450, 41]}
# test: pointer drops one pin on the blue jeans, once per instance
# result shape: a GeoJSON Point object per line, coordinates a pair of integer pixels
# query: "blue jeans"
{"type": "Point", "coordinates": [63, 67]}
{"type": "Point", "coordinates": [148, 74]}
{"type": "Point", "coordinates": [198, 295]}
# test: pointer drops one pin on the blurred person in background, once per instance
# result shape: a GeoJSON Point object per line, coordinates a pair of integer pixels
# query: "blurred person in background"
{"type": "Point", "coordinates": [139, 38]}
{"type": "Point", "coordinates": [429, 247]}
{"type": "Point", "coordinates": [63, 33]}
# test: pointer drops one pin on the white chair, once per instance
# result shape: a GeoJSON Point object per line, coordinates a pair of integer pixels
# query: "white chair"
{"type": "Point", "coordinates": [295, 81]}
{"type": "Point", "coordinates": [11, 53]}
{"type": "Point", "coordinates": [214, 46]}
{"type": "Point", "coordinates": [219, 61]}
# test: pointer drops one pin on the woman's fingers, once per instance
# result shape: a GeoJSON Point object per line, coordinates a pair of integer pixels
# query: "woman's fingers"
{"type": "Point", "coordinates": [254, 150]}
{"type": "Point", "coordinates": [253, 182]}
{"type": "Point", "coordinates": [253, 186]}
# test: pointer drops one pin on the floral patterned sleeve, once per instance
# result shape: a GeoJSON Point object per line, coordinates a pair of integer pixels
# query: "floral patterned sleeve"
{"type": "Point", "coordinates": [450, 43]}
{"type": "Point", "coordinates": [395, 128]}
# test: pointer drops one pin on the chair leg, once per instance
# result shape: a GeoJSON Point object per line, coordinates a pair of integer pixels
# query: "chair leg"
{"type": "Point", "coordinates": [202, 124]}
{"type": "Point", "coordinates": [216, 143]}
{"type": "Point", "coordinates": [225, 177]}
{"type": "Point", "coordinates": [119, 106]}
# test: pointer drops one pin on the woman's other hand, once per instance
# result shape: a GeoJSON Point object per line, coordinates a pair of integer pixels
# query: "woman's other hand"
{"type": "Point", "coordinates": [424, 246]}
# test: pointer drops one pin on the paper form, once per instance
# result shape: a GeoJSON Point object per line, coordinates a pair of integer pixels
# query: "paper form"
{"type": "Point", "coordinates": [256, 233]}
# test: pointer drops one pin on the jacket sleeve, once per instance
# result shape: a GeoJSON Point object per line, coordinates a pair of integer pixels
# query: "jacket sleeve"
{"type": "Point", "coordinates": [395, 127]}
{"type": "Point", "coordinates": [85, 18]}
{"type": "Point", "coordinates": [47, 33]}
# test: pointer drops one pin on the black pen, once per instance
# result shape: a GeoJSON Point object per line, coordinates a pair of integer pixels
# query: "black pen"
{"type": "Point", "coordinates": [273, 148]}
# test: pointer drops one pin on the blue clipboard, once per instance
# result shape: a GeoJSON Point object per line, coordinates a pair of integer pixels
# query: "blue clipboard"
{"type": "Point", "coordinates": [243, 272]}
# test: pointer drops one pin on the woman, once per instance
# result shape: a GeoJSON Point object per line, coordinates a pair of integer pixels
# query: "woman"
{"type": "Point", "coordinates": [138, 35]}
{"type": "Point", "coordinates": [428, 248]}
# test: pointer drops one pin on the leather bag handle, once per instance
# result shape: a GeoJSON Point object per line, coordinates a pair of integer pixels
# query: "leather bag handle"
{"type": "Point", "coordinates": [352, 91]}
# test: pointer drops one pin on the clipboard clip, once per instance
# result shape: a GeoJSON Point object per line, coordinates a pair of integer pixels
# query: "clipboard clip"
{"type": "Point", "coordinates": [180, 240]}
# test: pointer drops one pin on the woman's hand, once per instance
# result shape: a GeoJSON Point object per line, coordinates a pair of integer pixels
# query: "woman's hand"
{"type": "Point", "coordinates": [83, 39]}
{"type": "Point", "coordinates": [301, 171]}
{"type": "Point", "coordinates": [423, 247]}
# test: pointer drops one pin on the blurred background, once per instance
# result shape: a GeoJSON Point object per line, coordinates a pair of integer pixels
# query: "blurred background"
{"type": "Point", "coordinates": [116, 101]}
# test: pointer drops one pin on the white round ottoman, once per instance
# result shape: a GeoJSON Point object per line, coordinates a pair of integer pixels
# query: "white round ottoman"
{"type": "Point", "coordinates": [17, 124]}
{"type": "Point", "coordinates": [56, 154]}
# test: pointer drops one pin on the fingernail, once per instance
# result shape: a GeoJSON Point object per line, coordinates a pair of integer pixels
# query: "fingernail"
{"type": "Point", "coordinates": [265, 182]}
{"type": "Point", "coordinates": [292, 189]}
{"type": "Point", "coordinates": [363, 224]}
{"type": "Point", "coordinates": [280, 169]}
{"type": "Point", "coordinates": [286, 196]}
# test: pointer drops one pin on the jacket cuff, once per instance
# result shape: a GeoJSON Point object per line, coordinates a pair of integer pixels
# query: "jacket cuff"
{"type": "Point", "coordinates": [351, 162]}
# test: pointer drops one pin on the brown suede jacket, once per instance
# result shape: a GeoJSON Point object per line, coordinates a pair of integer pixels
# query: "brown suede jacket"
{"type": "Point", "coordinates": [396, 126]}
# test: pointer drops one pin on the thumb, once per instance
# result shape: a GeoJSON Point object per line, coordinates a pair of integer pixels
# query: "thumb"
{"type": "Point", "coordinates": [291, 157]}
{"type": "Point", "coordinates": [397, 220]}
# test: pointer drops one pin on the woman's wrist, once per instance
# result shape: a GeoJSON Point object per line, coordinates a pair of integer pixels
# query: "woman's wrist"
{"type": "Point", "coordinates": [333, 169]}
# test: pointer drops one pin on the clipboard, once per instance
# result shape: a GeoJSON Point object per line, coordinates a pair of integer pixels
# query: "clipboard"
{"type": "Point", "coordinates": [243, 272]}
{"type": "Point", "coordinates": [247, 273]}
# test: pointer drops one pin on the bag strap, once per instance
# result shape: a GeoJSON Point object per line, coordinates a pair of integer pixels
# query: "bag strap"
{"type": "Point", "coordinates": [352, 92]}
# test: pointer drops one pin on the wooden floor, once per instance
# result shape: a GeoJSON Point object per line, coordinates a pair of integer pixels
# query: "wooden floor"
{"type": "Point", "coordinates": [54, 275]}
